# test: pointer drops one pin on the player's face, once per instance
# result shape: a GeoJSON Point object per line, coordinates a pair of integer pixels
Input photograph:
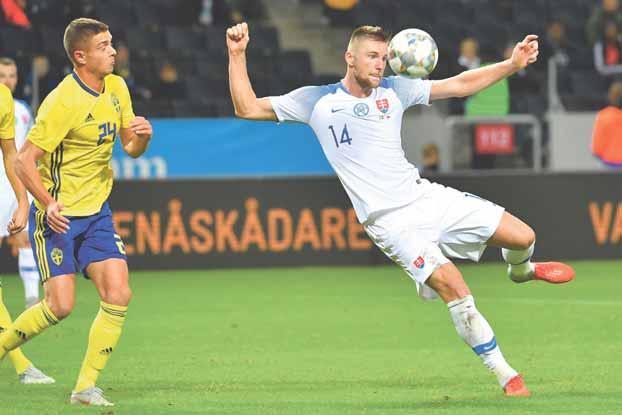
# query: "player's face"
{"type": "Point", "coordinates": [100, 55]}
{"type": "Point", "coordinates": [368, 63]}
{"type": "Point", "coordinates": [8, 76]}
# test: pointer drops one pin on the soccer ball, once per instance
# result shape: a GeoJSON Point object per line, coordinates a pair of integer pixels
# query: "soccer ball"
{"type": "Point", "coordinates": [413, 53]}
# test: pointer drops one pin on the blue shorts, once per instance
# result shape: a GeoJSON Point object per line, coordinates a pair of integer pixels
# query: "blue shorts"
{"type": "Point", "coordinates": [89, 239]}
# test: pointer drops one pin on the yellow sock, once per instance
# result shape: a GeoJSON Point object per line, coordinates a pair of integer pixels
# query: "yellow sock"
{"type": "Point", "coordinates": [30, 323]}
{"type": "Point", "coordinates": [20, 362]}
{"type": "Point", "coordinates": [103, 338]}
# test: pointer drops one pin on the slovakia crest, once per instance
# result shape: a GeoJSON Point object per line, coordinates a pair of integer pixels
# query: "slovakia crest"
{"type": "Point", "coordinates": [419, 262]}
{"type": "Point", "coordinates": [383, 105]}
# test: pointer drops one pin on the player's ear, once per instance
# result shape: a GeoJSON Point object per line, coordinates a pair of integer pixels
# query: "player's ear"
{"type": "Point", "coordinates": [349, 56]}
{"type": "Point", "coordinates": [79, 57]}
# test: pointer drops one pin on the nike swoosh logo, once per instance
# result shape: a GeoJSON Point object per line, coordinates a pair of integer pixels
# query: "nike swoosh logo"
{"type": "Point", "coordinates": [334, 110]}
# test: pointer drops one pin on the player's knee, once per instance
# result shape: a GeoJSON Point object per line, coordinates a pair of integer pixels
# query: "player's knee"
{"type": "Point", "coordinates": [118, 296]}
{"type": "Point", "coordinates": [527, 238]}
{"type": "Point", "coordinates": [447, 281]}
{"type": "Point", "coordinates": [61, 308]}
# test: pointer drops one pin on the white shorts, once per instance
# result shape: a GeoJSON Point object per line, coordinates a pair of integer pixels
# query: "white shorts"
{"type": "Point", "coordinates": [443, 222]}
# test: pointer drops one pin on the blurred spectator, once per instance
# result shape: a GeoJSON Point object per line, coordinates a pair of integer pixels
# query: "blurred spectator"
{"type": "Point", "coordinates": [431, 158]}
{"type": "Point", "coordinates": [47, 78]}
{"type": "Point", "coordinates": [221, 12]}
{"type": "Point", "coordinates": [555, 44]}
{"type": "Point", "coordinates": [168, 85]}
{"type": "Point", "coordinates": [14, 14]}
{"type": "Point", "coordinates": [607, 134]}
{"type": "Point", "coordinates": [339, 12]}
{"type": "Point", "coordinates": [609, 10]}
{"type": "Point", "coordinates": [469, 54]}
{"type": "Point", "coordinates": [123, 69]}
{"type": "Point", "coordinates": [608, 50]}
{"type": "Point", "coordinates": [524, 81]}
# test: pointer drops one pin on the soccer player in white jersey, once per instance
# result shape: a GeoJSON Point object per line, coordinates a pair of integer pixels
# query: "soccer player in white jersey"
{"type": "Point", "coordinates": [416, 223]}
{"type": "Point", "coordinates": [23, 122]}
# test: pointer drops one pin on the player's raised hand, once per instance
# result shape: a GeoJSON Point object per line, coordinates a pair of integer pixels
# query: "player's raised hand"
{"type": "Point", "coordinates": [237, 38]}
{"type": "Point", "coordinates": [57, 222]}
{"type": "Point", "coordinates": [525, 52]}
{"type": "Point", "coordinates": [141, 127]}
{"type": "Point", "coordinates": [19, 220]}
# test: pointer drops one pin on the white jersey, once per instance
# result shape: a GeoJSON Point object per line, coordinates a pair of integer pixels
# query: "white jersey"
{"type": "Point", "coordinates": [361, 138]}
{"type": "Point", "coordinates": [23, 123]}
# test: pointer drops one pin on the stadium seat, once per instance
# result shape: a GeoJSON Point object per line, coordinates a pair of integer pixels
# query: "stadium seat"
{"type": "Point", "coordinates": [51, 40]}
{"type": "Point", "coordinates": [184, 40]}
{"type": "Point", "coordinates": [16, 41]}
{"type": "Point", "coordinates": [295, 65]}
{"type": "Point", "coordinates": [200, 88]}
{"type": "Point", "coordinates": [48, 12]}
{"type": "Point", "coordinates": [144, 41]}
{"type": "Point", "coordinates": [265, 40]}
{"type": "Point", "coordinates": [588, 83]}
{"type": "Point", "coordinates": [153, 109]}
{"type": "Point", "coordinates": [212, 68]}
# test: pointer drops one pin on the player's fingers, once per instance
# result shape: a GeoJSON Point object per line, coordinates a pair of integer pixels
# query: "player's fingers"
{"type": "Point", "coordinates": [57, 225]}
{"type": "Point", "coordinates": [530, 38]}
{"type": "Point", "coordinates": [244, 27]}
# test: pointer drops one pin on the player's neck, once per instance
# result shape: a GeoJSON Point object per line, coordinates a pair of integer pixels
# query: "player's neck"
{"type": "Point", "coordinates": [93, 81]}
{"type": "Point", "coordinates": [354, 88]}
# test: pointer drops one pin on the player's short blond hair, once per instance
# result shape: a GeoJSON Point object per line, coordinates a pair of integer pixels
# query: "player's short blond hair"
{"type": "Point", "coordinates": [368, 32]}
{"type": "Point", "coordinates": [6, 61]}
{"type": "Point", "coordinates": [78, 32]}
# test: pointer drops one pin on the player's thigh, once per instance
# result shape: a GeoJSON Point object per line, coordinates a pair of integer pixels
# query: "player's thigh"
{"type": "Point", "coordinates": [411, 247]}
{"type": "Point", "coordinates": [448, 283]}
{"type": "Point", "coordinates": [512, 233]}
{"type": "Point", "coordinates": [60, 292]}
{"type": "Point", "coordinates": [53, 252]}
{"type": "Point", "coordinates": [468, 224]}
{"type": "Point", "coordinates": [111, 278]}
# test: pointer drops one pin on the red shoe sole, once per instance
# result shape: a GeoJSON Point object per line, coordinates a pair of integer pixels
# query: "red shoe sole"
{"type": "Point", "coordinates": [553, 272]}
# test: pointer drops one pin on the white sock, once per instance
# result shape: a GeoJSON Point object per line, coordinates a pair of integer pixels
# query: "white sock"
{"type": "Point", "coordinates": [30, 275]}
{"type": "Point", "coordinates": [519, 263]}
{"type": "Point", "coordinates": [477, 333]}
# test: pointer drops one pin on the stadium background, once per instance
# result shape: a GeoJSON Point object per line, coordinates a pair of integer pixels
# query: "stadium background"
{"type": "Point", "coordinates": [216, 192]}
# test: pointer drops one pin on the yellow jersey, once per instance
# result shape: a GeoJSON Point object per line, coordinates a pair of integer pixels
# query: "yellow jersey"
{"type": "Point", "coordinates": [7, 114]}
{"type": "Point", "coordinates": [77, 127]}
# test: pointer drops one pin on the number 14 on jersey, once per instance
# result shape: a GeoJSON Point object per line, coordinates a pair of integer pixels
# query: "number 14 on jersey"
{"type": "Point", "coordinates": [345, 136]}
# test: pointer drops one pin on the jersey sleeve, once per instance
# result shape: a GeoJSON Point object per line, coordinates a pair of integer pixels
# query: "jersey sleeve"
{"type": "Point", "coordinates": [53, 122]}
{"type": "Point", "coordinates": [411, 91]}
{"type": "Point", "coordinates": [7, 116]}
{"type": "Point", "coordinates": [297, 105]}
{"type": "Point", "coordinates": [127, 111]}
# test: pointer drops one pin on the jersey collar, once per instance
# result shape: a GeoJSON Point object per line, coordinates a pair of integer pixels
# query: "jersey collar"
{"type": "Point", "coordinates": [86, 87]}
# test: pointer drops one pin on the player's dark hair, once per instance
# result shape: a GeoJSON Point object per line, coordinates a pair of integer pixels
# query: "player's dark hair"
{"type": "Point", "coordinates": [370, 32]}
{"type": "Point", "coordinates": [5, 61]}
{"type": "Point", "coordinates": [79, 31]}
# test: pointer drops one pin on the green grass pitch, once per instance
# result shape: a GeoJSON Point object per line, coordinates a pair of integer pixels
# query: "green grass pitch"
{"type": "Point", "coordinates": [342, 340]}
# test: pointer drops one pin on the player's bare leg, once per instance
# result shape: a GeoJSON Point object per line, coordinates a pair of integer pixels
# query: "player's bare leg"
{"type": "Point", "coordinates": [111, 278]}
{"type": "Point", "coordinates": [517, 241]}
{"type": "Point", "coordinates": [28, 374]}
{"type": "Point", "coordinates": [473, 328]}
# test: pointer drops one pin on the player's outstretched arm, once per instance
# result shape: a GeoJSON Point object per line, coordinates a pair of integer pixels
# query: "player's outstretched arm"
{"type": "Point", "coordinates": [471, 82]}
{"type": "Point", "coordinates": [245, 102]}
{"type": "Point", "coordinates": [135, 139]}
{"type": "Point", "coordinates": [26, 169]}
{"type": "Point", "coordinates": [20, 216]}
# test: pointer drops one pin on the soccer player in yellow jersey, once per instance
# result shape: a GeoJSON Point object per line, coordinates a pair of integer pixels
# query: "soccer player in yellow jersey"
{"type": "Point", "coordinates": [65, 164]}
{"type": "Point", "coordinates": [28, 374]}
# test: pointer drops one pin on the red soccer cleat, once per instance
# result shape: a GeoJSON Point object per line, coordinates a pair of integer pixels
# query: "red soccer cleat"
{"type": "Point", "coordinates": [516, 387]}
{"type": "Point", "coordinates": [553, 272]}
